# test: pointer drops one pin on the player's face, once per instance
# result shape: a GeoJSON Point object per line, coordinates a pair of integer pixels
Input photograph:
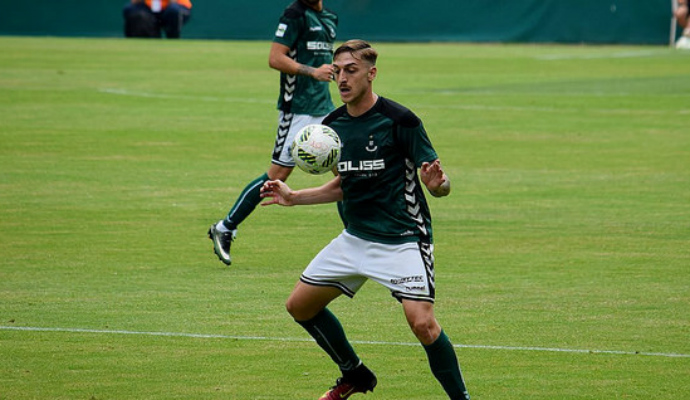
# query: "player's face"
{"type": "Point", "coordinates": [353, 77]}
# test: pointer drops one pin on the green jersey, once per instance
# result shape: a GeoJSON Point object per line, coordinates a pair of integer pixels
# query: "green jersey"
{"type": "Point", "coordinates": [310, 35]}
{"type": "Point", "coordinates": [383, 199]}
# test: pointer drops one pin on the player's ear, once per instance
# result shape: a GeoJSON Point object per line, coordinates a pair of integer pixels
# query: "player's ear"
{"type": "Point", "coordinates": [372, 73]}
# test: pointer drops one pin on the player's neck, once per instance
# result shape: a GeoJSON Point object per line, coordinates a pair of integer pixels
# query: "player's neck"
{"type": "Point", "coordinates": [316, 6]}
{"type": "Point", "coordinates": [360, 107]}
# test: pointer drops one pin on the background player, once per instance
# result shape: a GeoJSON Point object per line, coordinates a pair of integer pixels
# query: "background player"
{"type": "Point", "coordinates": [302, 50]}
{"type": "Point", "coordinates": [388, 237]}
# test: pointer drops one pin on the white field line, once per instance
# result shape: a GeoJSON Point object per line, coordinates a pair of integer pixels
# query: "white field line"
{"type": "Point", "coordinates": [595, 56]}
{"type": "Point", "coordinates": [608, 111]}
{"type": "Point", "coordinates": [469, 107]}
{"type": "Point", "coordinates": [375, 343]}
{"type": "Point", "coordinates": [125, 92]}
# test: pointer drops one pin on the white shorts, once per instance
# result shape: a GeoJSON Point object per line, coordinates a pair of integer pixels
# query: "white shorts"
{"type": "Point", "coordinates": [346, 263]}
{"type": "Point", "coordinates": [288, 126]}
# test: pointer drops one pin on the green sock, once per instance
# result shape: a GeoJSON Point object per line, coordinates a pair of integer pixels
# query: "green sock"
{"type": "Point", "coordinates": [329, 334]}
{"type": "Point", "coordinates": [246, 203]}
{"type": "Point", "coordinates": [444, 365]}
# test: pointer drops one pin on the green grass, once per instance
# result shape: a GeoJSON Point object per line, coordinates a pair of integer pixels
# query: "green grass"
{"type": "Point", "coordinates": [568, 227]}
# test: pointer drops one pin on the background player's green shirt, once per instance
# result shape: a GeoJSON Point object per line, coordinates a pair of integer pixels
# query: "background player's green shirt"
{"type": "Point", "coordinates": [383, 199]}
{"type": "Point", "coordinates": [310, 35]}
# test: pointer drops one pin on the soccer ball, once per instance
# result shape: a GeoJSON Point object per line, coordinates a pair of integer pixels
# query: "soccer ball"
{"type": "Point", "coordinates": [316, 149]}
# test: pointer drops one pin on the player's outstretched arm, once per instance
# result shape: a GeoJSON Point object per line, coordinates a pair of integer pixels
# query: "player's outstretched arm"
{"type": "Point", "coordinates": [280, 193]}
{"type": "Point", "coordinates": [435, 180]}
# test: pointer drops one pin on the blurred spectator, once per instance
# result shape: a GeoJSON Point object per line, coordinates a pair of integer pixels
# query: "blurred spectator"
{"type": "Point", "coordinates": [681, 14]}
{"type": "Point", "coordinates": [149, 18]}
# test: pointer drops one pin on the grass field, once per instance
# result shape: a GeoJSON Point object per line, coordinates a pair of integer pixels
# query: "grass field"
{"type": "Point", "coordinates": [562, 256]}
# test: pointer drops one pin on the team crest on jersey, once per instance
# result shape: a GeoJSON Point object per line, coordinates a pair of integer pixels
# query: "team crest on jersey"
{"type": "Point", "coordinates": [371, 147]}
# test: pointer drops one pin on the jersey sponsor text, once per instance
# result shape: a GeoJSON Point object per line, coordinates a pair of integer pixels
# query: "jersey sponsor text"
{"type": "Point", "coordinates": [364, 165]}
{"type": "Point", "coordinates": [319, 46]}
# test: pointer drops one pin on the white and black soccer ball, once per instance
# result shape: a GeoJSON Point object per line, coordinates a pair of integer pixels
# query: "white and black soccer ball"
{"type": "Point", "coordinates": [316, 149]}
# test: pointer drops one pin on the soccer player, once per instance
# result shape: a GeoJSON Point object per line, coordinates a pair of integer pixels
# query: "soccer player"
{"type": "Point", "coordinates": [388, 238]}
{"type": "Point", "coordinates": [302, 50]}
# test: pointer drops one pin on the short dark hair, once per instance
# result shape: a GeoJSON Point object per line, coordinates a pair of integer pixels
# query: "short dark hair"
{"type": "Point", "coordinates": [359, 49]}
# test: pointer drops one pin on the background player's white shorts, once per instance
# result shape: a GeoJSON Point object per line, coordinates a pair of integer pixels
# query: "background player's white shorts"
{"type": "Point", "coordinates": [288, 126]}
{"type": "Point", "coordinates": [407, 270]}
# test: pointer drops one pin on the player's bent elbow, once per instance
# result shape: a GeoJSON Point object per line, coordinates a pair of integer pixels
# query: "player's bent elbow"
{"type": "Point", "coordinates": [273, 64]}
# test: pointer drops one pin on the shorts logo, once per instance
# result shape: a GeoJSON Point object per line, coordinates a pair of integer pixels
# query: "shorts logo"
{"type": "Point", "coordinates": [408, 279]}
{"type": "Point", "coordinates": [280, 32]}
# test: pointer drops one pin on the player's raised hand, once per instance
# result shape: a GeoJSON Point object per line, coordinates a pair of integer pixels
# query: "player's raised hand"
{"type": "Point", "coordinates": [277, 192]}
{"type": "Point", "coordinates": [435, 179]}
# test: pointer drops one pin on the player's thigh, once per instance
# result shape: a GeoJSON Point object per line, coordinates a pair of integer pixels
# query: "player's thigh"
{"type": "Point", "coordinates": [336, 265]}
{"type": "Point", "coordinates": [276, 171]}
{"type": "Point", "coordinates": [407, 269]}
{"type": "Point", "coordinates": [307, 300]}
{"type": "Point", "coordinates": [288, 126]}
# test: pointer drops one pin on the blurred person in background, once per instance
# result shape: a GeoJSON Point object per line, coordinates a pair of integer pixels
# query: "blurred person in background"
{"type": "Point", "coordinates": [681, 14]}
{"type": "Point", "coordinates": [150, 18]}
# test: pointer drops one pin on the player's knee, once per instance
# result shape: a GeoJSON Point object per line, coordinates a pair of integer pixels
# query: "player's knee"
{"type": "Point", "coordinates": [277, 172]}
{"type": "Point", "coordinates": [426, 330]}
{"type": "Point", "coordinates": [294, 310]}
{"type": "Point", "coordinates": [289, 307]}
